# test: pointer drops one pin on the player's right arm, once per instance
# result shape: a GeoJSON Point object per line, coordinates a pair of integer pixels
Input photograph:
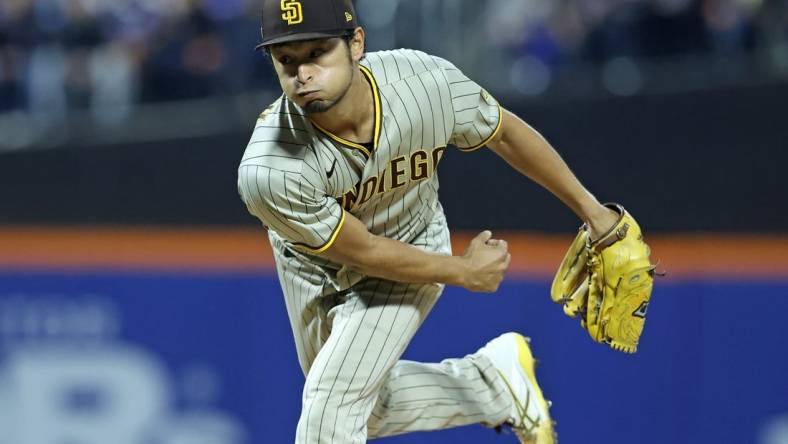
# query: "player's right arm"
{"type": "Point", "coordinates": [301, 213]}
{"type": "Point", "coordinates": [481, 267]}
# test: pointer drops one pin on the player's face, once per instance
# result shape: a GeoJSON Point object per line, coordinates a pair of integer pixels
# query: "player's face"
{"type": "Point", "coordinates": [315, 74]}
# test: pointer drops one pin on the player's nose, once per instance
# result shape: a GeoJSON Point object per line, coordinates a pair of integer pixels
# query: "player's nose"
{"type": "Point", "coordinates": [304, 73]}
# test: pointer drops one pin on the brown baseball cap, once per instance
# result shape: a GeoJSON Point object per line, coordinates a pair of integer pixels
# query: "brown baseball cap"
{"type": "Point", "coordinates": [294, 20]}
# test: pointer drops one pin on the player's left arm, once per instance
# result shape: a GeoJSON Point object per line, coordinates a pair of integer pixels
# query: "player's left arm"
{"type": "Point", "coordinates": [528, 152]}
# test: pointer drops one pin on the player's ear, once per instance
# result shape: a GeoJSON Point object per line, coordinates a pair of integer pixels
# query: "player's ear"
{"type": "Point", "coordinates": [357, 42]}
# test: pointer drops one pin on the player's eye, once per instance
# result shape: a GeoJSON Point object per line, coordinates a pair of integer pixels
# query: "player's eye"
{"type": "Point", "coordinates": [285, 60]}
{"type": "Point", "coordinates": [316, 53]}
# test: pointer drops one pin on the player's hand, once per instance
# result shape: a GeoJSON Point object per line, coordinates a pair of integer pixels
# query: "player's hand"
{"type": "Point", "coordinates": [486, 262]}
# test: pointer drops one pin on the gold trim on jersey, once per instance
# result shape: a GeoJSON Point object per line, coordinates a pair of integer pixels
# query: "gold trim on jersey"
{"type": "Point", "coordinates": [492, 136]}
{"type": "Point", "coordinates": [378, 120]}
{"type": "Point", "coordinates": [378, 107]}
{"type": "Point", "coordinates": [330, 242]}
{"type": "Point", "coordinates": [345, 142]}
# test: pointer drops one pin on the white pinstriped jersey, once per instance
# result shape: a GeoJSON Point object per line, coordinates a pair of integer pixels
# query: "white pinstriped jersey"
{"type": "Point", "coordinates": [299, 179]}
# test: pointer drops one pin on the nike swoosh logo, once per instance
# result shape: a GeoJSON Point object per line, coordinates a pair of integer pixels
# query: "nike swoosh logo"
{"type": "Point", "coordinates": [331, 171]}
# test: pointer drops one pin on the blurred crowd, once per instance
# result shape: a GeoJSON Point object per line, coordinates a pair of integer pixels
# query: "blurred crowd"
{"type": "Point", "coordinates": [107, 55]}
{"type": "Point", "coordinates": [597, 30]}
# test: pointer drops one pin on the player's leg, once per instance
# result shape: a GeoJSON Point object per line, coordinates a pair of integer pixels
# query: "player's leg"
{"type": "Point", "coordinates": [398, 309]}
{"type": "Point", "coordinates": [493, 386]}
{"type": "Point", "coordinates": [432, 396]}
{"type": "Point", "coordinates": [357, 387]}
{"type": "Point", "coordinates": [370, 331]}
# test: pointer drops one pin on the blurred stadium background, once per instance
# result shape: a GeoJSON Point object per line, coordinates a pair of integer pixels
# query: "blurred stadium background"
{"type": "Point", "coordinates": [138, 303]}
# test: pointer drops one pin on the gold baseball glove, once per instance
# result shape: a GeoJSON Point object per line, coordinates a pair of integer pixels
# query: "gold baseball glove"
{"type": "Point", "coordinates": [608, 282]}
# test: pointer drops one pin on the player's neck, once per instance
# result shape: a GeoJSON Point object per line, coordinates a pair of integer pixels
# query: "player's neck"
{"type": "Point", "coordinates": [353, 118]}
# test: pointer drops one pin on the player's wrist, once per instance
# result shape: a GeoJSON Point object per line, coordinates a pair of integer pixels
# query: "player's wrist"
{"type": "Point", "coordinates": [459, 271]}
{"type": "Point", "coordinates": [602, 222]}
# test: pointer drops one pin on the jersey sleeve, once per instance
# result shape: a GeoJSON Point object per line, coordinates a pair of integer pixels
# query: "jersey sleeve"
{"type": "Point", "coordinates": [289, 204]}
{"type": "Point", "coordinates": [477, 115]}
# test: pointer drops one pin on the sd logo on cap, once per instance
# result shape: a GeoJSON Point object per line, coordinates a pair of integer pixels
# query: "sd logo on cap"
{"type": "Point", "coordinates": [292, 20]}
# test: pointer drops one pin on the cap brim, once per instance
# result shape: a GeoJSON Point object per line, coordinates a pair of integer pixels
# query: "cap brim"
{"type": "Point", "coordinates": [298, 37]}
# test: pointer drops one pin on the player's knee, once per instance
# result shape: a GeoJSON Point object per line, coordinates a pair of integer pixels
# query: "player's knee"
{"type": "Point", "coordinates": [342, 407]}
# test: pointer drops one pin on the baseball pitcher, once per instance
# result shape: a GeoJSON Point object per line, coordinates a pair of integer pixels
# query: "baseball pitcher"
{"type": "Point", "coordinates": [341, 170]}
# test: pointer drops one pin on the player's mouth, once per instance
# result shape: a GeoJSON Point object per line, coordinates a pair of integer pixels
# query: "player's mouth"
{"type": "Point", "coordinates": [308, 95]}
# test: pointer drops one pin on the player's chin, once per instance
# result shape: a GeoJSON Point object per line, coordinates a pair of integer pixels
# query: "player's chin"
{"type": "Point", "coordinates": [318, 106]}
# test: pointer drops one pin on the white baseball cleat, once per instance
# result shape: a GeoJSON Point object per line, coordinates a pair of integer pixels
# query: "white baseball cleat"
{"type": "Point", "coordinates": [529, 418]}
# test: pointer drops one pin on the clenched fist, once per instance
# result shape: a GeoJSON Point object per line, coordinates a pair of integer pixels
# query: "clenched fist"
{"type": "Point", "coordinates": [486, 260]}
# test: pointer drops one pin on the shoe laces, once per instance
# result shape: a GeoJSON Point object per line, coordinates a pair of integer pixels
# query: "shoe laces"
{"type": "Point", "coordinates": [523, 421]}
